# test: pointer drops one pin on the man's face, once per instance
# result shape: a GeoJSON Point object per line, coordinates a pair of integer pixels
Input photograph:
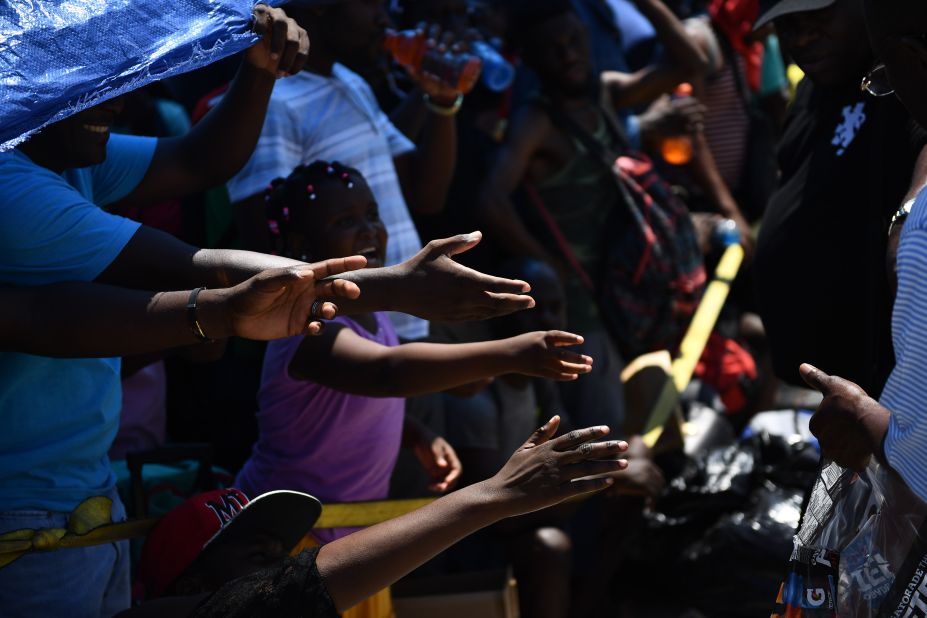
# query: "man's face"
{"type": "Point", "coordinates": [829, 45]}
{"type": "Point", "coordinates": [899, 38]}
{"type": "Point", "coordinates": [80, 140]}
{"type": "Point", "coordinates": [355, 30]}
{"type": "Point", "coordinates": [558, 50]}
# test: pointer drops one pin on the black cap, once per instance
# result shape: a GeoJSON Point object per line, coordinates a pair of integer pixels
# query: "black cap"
{"type": "Point", "coordinates": [787, 7]}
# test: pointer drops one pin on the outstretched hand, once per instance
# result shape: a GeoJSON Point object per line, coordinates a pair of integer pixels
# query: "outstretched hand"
{"type": "Point", "coordinates": [279, 303]}
{"type": "Point", "coordinates": [541, 355]}
{"type": "Point", "coordinates": [849, 424]}
{"type": "Point", "coordinates": [284, 45]}
{"type": "Point", "coordinates": [546, 471]}
{"type": "Point", "coordinates": [440, 289]}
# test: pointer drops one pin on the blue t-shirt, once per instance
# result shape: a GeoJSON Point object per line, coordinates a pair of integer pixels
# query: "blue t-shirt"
{"type": "Point", "coordinates": [58, 417]}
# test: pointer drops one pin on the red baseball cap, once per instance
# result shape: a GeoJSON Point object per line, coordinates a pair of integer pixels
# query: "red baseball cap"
{"type": "Point", "coordinates": [181, 535]}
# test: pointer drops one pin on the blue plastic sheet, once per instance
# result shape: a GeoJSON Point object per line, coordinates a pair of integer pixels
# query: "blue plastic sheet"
{"type": "Point", "coordinates": [59, 57]}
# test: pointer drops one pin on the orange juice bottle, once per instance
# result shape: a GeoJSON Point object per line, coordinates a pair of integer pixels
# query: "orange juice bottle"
{"type": "Point", "coordinates": [677, 150]}
{"type": "Point", "coordinates": [410, 49]}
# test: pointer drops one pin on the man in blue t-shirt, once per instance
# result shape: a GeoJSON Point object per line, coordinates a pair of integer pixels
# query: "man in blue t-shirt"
{"type": "Point", "coordinates": [59, 416]}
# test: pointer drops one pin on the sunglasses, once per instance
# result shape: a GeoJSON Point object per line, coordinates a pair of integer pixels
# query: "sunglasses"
{"type": "Point", "coordinates": [876, 81]}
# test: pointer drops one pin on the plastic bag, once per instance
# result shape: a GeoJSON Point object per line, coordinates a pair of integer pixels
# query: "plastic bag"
{"type": "Point", "coordinates": [59, 57]}
{"type": "Point", "coordinates": [723, 528]}
{"type": "Point", "coordinates": [861, 550]}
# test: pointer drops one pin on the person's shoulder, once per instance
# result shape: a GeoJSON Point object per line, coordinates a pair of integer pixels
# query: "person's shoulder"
{"type": "Point", "coordinates": [530, 120]}
{"type": "Point", "coordinates": [20, 178]}
{"type": "Point", "coordinates": [353, 80]}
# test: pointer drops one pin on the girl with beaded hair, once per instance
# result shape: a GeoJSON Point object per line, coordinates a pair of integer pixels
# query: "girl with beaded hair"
{"type": "Point", "coordinates": [331, 412]}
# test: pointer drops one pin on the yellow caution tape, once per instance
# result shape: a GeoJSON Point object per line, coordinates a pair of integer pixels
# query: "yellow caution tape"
{"type": "Point", "coordinates": [693, 344]}
{"type": "Point", "coordinates": [90, 524]}
{"type": "Point", "coordinates": [359, 514]}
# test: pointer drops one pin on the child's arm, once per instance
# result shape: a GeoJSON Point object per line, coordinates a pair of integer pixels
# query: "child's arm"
{"type": "Point", "coordinates": [342, 360]}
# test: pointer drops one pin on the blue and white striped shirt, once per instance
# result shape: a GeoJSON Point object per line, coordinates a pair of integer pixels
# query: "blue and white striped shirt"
{"type": "Point", "coordinates": [905, 393]}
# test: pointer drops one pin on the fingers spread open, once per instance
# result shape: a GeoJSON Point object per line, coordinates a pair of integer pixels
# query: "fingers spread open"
{"type": "Point", "coordinates": [503, 304]}
{"type": "Point", "coordinates": [559, 338]}
{"type": "Point", "coordinates": [588, 486]}
{"type": "Point", "coordinates": [572, 360]}
{"type": "Point", "coordinates": [598, 450]}
{"type": "Point", "coordinates": [454, 245]}
{"type": "Point", "coordinates": [579, 436]}
{"type": "Point", "coordinates": [592, 468]}
{"type": "Point", "coordinates": [337, 266]}
{"type": "Point", "coordinates": [337, 288]}
{"type": "Point", "coordinates": [543, 433]}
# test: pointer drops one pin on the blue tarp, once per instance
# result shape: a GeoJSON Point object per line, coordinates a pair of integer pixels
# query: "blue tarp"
{"type": "Point", "coordinates": [59, 57]}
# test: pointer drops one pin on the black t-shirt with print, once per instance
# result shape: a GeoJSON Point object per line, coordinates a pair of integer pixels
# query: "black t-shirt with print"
{"type": "Point", "coordinates": [847, 160]}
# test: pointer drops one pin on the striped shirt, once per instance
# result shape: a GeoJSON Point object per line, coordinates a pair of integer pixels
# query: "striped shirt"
{"type": "Point", "coordinates": [905, 393]}
{"type": "Point", "coordinates": [312, 117]}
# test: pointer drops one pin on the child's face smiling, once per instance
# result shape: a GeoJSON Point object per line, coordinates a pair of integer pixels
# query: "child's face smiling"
{"type": "Point", "coordinates": [342, 222]}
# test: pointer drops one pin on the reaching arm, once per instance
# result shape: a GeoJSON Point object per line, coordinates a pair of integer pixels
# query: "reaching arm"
{"type": "Point", "coordinates": [218, 146]}
{"type": "Point", "coordinates": [685, 61]}
{"type": "Point", "coordinates": [342, 360]}
{"type": "Point", "coordinates": [525, 138]}
{"type": "Point", "coordinates": [540, 474]}
{"type": "Point", "coordinates": [93, 320]}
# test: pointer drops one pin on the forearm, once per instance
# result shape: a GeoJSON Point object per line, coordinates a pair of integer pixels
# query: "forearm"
{"type": "Point", "coordinates": [219, 145]}
{"type": "Point", "coordinates": [705, 172]}
{"type": "Point", "coordinates": [682, 50]}
{"type": "Point", "coordinates": [357, 566]}
{"type": "Point", "coordinates": [227, 267]}
{"type": "Point", "coordinates": [89, 320]}
{"type": "Point", "coordinates": [411, 115]}
{"type": "Point", "coordinates": [435, 161]}
{"type": "Point", "coordinates": [418, 368]}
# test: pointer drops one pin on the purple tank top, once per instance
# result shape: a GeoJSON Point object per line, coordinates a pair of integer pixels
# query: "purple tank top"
{"type": "Point", "coordinates": [333, 445]}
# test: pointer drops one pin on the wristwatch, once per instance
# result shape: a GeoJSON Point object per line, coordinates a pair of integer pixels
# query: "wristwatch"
{"type": "Point", "coordinates": [900, 215]}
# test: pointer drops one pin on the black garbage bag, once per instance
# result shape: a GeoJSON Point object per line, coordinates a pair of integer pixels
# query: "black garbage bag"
{"type": "Point", "coordinates": [724, 526]}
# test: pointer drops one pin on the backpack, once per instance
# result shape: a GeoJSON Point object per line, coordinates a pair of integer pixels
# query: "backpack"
{"type": "Point", "coordinates": [653, 275]}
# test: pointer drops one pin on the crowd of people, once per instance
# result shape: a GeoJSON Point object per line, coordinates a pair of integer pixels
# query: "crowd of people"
{"type": "Point", "coordinates": [341, 335]}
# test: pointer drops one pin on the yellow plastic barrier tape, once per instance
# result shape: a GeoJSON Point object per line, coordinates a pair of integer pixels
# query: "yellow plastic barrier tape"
{"type": "Point", "coordinates": [690, 351]}
{"type": "Point", "coordinates": [357, 514]}
{"type": "Point", "coordinates": [91, 523]}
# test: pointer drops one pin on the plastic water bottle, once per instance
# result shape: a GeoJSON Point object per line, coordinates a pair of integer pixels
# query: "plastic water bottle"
{"type": "Point", "coordinates": [677, 150]}
{"type": "Point", "coordinates": [498, 74]}
{"type": "Point", "coordinates": [725, 234]}
{"type": "Point", "coordinates": [410, 49]}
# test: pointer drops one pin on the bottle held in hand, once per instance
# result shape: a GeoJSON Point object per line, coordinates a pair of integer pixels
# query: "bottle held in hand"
{"type": "Point", "coordinates": [410, 48]}
{"type": "Point", "coordinates": [498, 73]}
{"type": "Point", "coordinates": [677, 150]}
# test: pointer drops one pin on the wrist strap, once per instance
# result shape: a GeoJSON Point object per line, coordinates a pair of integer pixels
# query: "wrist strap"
{"type": "Point", "coordinates": [195, 327]}
{"type": "Point", "coordinates": [441, 110]}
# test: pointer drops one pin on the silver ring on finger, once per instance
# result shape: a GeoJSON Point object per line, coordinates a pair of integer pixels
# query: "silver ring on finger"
{"type": "Point", "coordinates": [315, 309]}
